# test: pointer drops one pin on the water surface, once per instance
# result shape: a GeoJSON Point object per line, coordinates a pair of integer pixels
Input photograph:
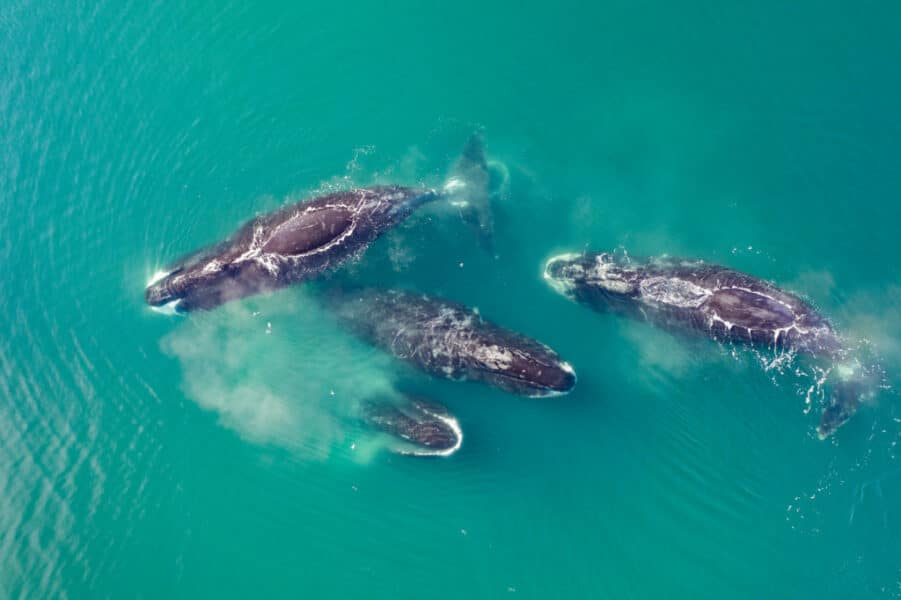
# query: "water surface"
{"type": "Point", "coordinates": [144, 455]}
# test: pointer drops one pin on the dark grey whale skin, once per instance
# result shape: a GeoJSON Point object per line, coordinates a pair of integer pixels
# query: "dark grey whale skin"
{"type": "Point", "coordinates": [449, 340]}
{"type": "Point", "coordinates": [710, 300]}
{"type": "Point", "coordinates": [285, 247]}
{"type": "Point", "coordinates": [422, 425]}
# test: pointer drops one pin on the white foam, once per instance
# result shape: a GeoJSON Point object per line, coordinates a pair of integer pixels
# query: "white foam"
{"type": "Point", "coordinates": [168, 309]}
{"type": "Point", "coordinates": [450, 422]}
{"type": "Point", "coordinates": [561, 286]}
{"type": "Point", "coordinates": [158, 275]}
{"type": "Point", "coordinates": [454, 185]}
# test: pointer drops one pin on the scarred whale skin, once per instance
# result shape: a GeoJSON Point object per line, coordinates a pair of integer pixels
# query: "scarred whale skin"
{"type": "Point", "coordinates": [425, 428]}
{"type": "Point", "coordinates": [726, 304]}
{"type": "Point", "coordinates": [712, 300]}
{"type": "Point", "coordinates": [452, 341]}
{"type": "Point", "coordinates": [290, 245]}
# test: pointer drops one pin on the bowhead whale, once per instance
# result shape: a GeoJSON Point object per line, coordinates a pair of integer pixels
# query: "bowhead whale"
{"type": "Point", "coordinates": [304, 240]}
{"type": "Point", "coordinates": [712, 300]}
{"type": "Point", "coordinates": [451, 341]}
{"type": "Point", "coordinates": [423, 427]}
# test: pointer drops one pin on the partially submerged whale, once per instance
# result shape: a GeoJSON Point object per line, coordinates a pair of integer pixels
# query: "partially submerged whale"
{"type": "Point", "coordinates": [304, 240]}
{"type": "Point", "coordinates": [424, 428]}
{"type": "Point", "coordinates": [471, 179]}
{"type": "Point", "coordinates": [451, 341]}
{"type": "Point", "coordinates": [712, 300]}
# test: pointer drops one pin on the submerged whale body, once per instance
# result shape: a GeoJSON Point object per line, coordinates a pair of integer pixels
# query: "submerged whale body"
{"type": "Point", "coordinates": [711, 300]}
{"type": "Point", "coordinates": [424, 428]}
{"type": "Point", "coordinates": [304, 240]}
{"type": "Point", "coordinates": [451, 341]}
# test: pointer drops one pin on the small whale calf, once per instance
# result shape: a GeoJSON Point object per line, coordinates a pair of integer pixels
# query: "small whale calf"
{"type": "Point", "coordinates": [452, 341]}
{"type": "Point", "coordinates": [721, 303]}
{"type": "Point", "coordinates": [424, 428]}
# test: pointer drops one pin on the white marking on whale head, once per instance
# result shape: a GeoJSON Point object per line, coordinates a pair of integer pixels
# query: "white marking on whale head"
{"type": "Point", "coordinates": [494, 357]}
{"type": "Point", "coordinates": [610, 274]}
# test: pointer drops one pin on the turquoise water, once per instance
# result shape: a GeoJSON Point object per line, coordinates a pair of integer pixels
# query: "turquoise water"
{"type": "Point", "coordinates": [153, 456]}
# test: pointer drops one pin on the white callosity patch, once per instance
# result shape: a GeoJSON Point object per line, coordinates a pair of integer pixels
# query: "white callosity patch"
{"type": "Point", "coordinates": [493, 356]}
{"type": "Point", "coordinates": [673, 291]}
{"type": "Point", "coordinates": [611, 276]}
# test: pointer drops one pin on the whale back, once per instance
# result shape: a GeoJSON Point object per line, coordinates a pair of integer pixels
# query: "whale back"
{"type": "Point", "coordinates": [751, 309]}
{"type": "Point", "coordinates": [452, 341]}
{"type": "Point", "coordinates": [309, 229]}
{"type": "Point", "coordinates": [733, 305]}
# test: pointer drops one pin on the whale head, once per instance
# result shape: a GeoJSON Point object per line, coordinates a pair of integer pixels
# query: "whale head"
{"type": "Point", "coordinates": [424, 428]}
{"type": "Point", "coordinates": [594, 277]}
{"type": "Point", "coordinates": [521, 366]}
{"type": "Point", "coordinates": [203, 286]}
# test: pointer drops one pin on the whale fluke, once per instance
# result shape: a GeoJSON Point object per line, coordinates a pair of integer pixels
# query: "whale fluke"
{"type": "Point", "coordinates": [467, 189]}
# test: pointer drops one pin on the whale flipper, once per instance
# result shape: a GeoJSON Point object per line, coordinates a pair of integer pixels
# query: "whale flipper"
{"type": "Point", "coordinates": [467, 189]}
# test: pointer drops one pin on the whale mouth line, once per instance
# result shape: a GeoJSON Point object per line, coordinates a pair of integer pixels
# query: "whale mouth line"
{"type": "Point", "coordinates": [535, 389]}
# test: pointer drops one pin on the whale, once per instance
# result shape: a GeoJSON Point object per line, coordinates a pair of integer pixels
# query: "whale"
{"type": "Point", "coordinates": [304, 240]}
{"type": "Point", "coordinates": [471, 174]}
{"type": "Point", "coordinates": [693, 296]}
{"type": "Point", "coordinates": [419, 427]}
{"type": "Point", "coordinates": [451, 341]}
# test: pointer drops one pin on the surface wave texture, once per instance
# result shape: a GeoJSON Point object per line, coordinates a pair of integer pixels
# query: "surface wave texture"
{"type": "Point", "coordinates": [221, 454]}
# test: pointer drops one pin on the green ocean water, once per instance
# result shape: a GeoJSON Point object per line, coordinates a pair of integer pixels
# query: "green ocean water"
{"type": "Point", "coordinates": [144, 455]}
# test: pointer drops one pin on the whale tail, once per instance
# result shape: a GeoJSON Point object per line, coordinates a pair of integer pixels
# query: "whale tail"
{"type": "Point", "coordinates": [857, 385]}
{"type": "Point", "coordinates": [467, 190]}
